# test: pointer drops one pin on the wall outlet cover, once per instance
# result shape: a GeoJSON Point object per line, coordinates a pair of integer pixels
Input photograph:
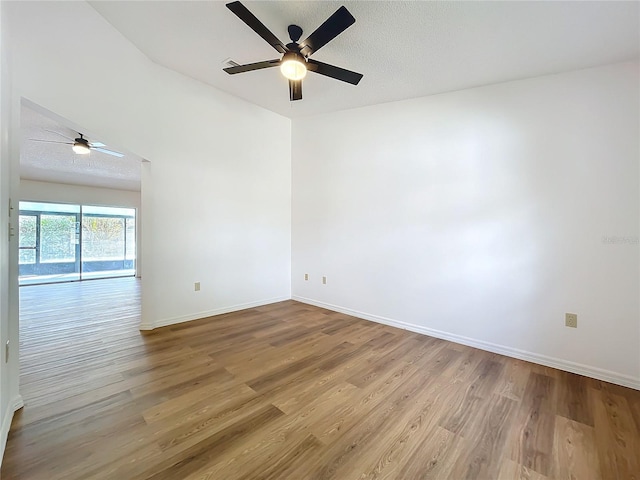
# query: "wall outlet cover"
{"type": "Point", "coordinates": [571, 320]}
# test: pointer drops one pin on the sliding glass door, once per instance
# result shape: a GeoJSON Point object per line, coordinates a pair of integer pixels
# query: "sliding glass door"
{"type": "Point", "coordinates": [28, 241]}
{"type": "Point", "coordinates": [108, 242]}
{"type": "Point", "coordinates": [61, 243]}
{"type": "Point", "coordinates": [49, 240]}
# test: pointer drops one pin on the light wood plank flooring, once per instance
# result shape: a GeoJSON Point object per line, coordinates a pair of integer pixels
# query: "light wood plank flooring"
{"type": "Point", "coordinates": [290, 391]}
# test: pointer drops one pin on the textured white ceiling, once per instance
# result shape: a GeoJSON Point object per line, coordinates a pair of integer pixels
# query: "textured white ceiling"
{"type": "Point", "coordinates": [55, 162]}
{"type": "Point", "coordinates": [404, 49]}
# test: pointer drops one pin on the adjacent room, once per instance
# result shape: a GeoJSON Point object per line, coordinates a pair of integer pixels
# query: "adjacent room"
{"type": "Point", "coordinates": [363, 239]}
{"type": "Point", "coordinates": [78, 210]}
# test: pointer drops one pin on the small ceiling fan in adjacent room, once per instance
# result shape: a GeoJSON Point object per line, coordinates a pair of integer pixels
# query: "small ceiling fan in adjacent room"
{"type": "Point", "coordinates": [81, 145]}
{"type": "Point", "coordinates": [295, 61]}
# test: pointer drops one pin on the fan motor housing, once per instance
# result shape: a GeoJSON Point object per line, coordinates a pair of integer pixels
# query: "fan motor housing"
{"type": "Point", "coordinates": [295, 32]}
{"type": "Point", "coordinates": [295, 56]}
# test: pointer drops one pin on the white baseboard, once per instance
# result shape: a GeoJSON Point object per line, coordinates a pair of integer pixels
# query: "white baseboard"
{"type": "Point", "coordinates": [210, 313]}
{"type": "Point", "coordinates": [17, 403]}
{"type": "Point", "coordinates": [13, 406]}
{"type": "Point", "coordinates": [580, 369]}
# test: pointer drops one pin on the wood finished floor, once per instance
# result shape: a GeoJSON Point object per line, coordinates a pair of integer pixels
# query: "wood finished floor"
{"type": "Point", "coordinates": [290, 391]}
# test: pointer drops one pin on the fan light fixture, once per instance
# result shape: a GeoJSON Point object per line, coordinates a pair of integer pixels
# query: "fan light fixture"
{"type": "Point", "coordinates": [81, 146]}
{"type": "Point", "coordinates": [293, 66]}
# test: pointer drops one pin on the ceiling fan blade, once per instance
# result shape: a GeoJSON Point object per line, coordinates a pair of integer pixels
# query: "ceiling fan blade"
{"type": "Point", "coordinates": [256, 25]}
{"type": "Point", "coordinates": [96, 144]}
{"type": "Point", "coordinates": [58, 133]}
{"type": "Point", "coordinates": [330, 29]}
{"type": "Point", "coordinates": [50, 141]}
{"type": "Point", "coordinates": [334, 72]}
{"type": "Point", "coordinates": [295, 90]}
{"type": "Point", "coordinates": [108, 152]}
{"type": "Point", "coordinates": [252, 66]}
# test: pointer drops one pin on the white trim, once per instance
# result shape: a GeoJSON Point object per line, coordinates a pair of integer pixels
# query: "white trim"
{"type": "Point", "coordinates": [13, 406]}
{"type": "Point", "coordinates": [17, 403]}
{"type": "Point", "coordinates": [566, 365]}
{"type": "Point", "coordinates": [146, 326]}
{"type": "Point", "coordinates": [210, 313]}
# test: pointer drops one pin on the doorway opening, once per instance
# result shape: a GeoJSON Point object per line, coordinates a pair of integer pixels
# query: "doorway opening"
{"type": "Point", "coordinates": [66, 242]}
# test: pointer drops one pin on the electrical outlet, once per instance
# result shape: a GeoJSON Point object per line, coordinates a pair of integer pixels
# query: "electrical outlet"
{"type": "Point", "coordinates": [196, 286]}
{"type": "Point", "coordinates": [306, 276]}
{"type": "Point", "coordinates": [324, 280]}
{"type": "Point", "coordinates": [571, 320]}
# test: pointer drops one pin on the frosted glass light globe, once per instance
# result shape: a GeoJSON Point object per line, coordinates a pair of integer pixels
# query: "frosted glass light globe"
{"type": "Point", "coordinates": [293, 67]}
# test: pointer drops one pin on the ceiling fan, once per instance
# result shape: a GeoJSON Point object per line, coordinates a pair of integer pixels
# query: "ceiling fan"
{"type": "Point", "coordinates": [295, 61]}
{"type": "Point", "coordinates": [81, 145]}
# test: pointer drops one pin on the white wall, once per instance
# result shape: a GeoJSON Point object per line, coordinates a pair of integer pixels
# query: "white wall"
{"type": "Point", "coordinates": [216, 193]}
{"type": "Point", "coordinates": [482, 216]}
{"type": "Point", "coordinates": [5, 414]}
{"type": "Point", "coordinates": [10, 399]}
{"type": "Point", "coordinates": [36, 191]}
{"type": "Point", "coordinates": [82, 195]}
{"type": "Point", "coordinates": [216, 210]}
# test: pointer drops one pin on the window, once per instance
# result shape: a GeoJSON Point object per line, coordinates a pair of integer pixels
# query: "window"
{"type": "Point", "coordinates": [60, 242]}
